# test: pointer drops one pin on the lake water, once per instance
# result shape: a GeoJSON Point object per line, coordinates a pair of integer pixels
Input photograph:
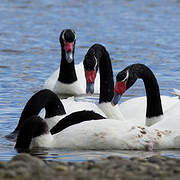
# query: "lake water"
{"type": "Point", "coordinates": [133, 31]}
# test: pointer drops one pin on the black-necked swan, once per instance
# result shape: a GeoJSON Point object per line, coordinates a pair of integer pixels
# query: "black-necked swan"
{"type": "Point", "coordinates": [136, 108]}
{"type": "Point", "coordinates": [98, 57]}
{"type": "Point", "coordinates": [68, 79]}
{"type": "Point", "coordinates": [43, 99]}
{"type": "Point", "coordinates": [54, 109]}
{"type": "Point", "coordinates": [95, 134]}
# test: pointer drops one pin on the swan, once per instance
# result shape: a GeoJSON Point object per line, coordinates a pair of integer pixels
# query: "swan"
{"type": "Point", "coordinates": [91, 62]}
{"type": "Point", "coordinates": [54, 110]}
{"type": "Point", "coordinates": [132, 109]}
{"type": "Point", "coordinates": [68, 79]}
{"type": "Point", "coordinates": [94, 134]}
{"type": "Point", "coordinates": [98, 57]}
{"type": "Point", "coordinates": [86, 130]}
{"type": "Point", "coordinates": [43, 99]}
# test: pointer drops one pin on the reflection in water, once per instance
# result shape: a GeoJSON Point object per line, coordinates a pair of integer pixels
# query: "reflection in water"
{"type": "Point", "coordinates": [80, 155]}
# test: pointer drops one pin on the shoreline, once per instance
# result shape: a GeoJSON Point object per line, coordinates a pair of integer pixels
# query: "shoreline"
{"type": "Point", "coordinates": [24, 166]}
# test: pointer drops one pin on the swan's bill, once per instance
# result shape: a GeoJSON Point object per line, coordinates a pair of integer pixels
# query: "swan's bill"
{"type": "Point", "coordinates": [69, 57]}
{"type": "Point", "coordinates": [69, 48]}
{"type": "Point", "coordinates": [12, 136]}
{"type": "Point", "coordinates": [89, 88]}
{"type": "Point", "coordinates": [115, 99]}
{"type": "Point", "coordinates": [90, 77]}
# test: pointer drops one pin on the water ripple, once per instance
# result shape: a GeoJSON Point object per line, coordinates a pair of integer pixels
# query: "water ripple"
{"type": "Point", "coordinates": [135, 31]}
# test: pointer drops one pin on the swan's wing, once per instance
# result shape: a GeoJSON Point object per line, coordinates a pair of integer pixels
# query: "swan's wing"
{"type": "Point", "coordinates": [170, 119]}
{"type": "Point", "coordinates": [51, 81]}
{"type": "Point", "coordinates": [134, 110]}
{"type": "Point", "coordinates": [75, 118]}
{"type": "Point", "coordinates": [80, 75]}
{"type": "Point", "coordinates": [71, 106]}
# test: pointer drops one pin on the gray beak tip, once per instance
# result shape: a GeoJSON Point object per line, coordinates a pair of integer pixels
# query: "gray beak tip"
{"type": "Point", "coordinates": [90, 88]}
{"type": "Point", "coordinates": [115, 99]}
{"type": "Point", "coordinates": [69, 57]}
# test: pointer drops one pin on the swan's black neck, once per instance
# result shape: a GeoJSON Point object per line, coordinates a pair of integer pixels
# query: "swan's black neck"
{"type": "Point", "coordinates": [98, 57]}
{"type": "Point", "coordinates": [106, 73]}
{"type": "Point", "coordinates": [31, 128]}
{"type": "Point", "coordinates": [154, 106]}
{"type": "Point", "coordinates": [42, 99]}
{"type": "Point", "coordinates": [106, 78]}
{"type": "Point", "coordinates": [75, 118]}
{"type": "Point", "coordinates": [67, 72]}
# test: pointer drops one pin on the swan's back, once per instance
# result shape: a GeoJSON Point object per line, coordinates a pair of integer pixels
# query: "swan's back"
{"type": "Point", "coordinates": [171, 119]}
{"type": "Point", "coordinates": [51, 81]}
{"type": "Point", "coordinates": [101, 134]}
{"type": "Point", "coordinates": [134, 110]}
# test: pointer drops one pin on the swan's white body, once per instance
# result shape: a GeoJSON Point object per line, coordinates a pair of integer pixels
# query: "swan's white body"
{"type": "Point", "coordinates": [76, 88]}
{"type": "Point", "coordinates": [51, 122]}
{"type": "Point", "coordinates": [104, 109]}
{"type": "Point", "coordinates": [111, 112]}
{"type": "Point", "coordinates": [134, 110]}
{"type": "Point", "coordinates": [70, 106]}
{"type": "Point", "coordinates": [110, 134]}
{"type": "Point", "coordinates": [171, 119]}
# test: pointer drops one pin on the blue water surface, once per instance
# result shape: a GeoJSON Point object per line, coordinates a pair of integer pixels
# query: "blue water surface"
{"type": "Point", "coordinates": [133, 31]}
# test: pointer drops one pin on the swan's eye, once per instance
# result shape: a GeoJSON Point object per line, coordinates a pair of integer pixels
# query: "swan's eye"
{"type": "Point", "coordinates": [123, 76]}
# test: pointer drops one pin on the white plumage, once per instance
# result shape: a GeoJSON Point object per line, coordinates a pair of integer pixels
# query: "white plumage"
{"type": "Point", "coordinates": [76, 88]}
{"type": "Point", "coordinates": [134, 110]}
{"type": "Point", "coordinates": [110, 134]}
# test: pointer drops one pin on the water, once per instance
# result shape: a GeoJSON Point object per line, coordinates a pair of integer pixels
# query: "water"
{"type": "Point", "coordinates": [133, 31]}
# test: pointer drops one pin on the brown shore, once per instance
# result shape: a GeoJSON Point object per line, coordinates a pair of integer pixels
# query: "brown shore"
{"type": "Point", "coordinates": [25, 167]}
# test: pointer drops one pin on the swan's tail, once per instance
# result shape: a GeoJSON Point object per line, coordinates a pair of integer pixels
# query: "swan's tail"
{"type": "Point", "coordinates": [176, 92]}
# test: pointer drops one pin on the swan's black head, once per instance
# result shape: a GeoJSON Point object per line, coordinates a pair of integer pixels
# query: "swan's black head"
{"type": "Point", "coordinates": [124, 80]}
{"type": "Point", "coordinates": [90, 69]}
{"type": "Point", "coordinates": [67, 40]}
{"type": "Point", "coordinates": [91, 63]}
{"type": "Point", "coordinates": [31, 128]}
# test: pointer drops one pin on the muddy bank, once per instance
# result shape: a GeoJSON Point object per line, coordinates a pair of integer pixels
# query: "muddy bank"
{"type": "Point", "coordinates": [26, 167]}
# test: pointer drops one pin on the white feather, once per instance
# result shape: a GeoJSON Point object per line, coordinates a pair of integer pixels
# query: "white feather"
{"type": "Point", "coordinates": [76, 88]}
{"type": "Point", "coordinates": [110, 134]}
{"type": "Point", "coordinates": [71, 106]}
{"type": "Point", "coordinates": [134, 110]}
